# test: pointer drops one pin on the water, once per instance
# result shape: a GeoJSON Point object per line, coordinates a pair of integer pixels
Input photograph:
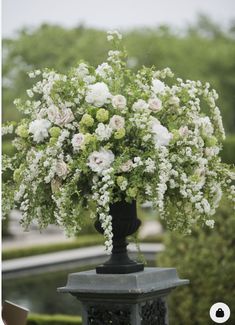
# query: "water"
{"type": "Point", "coordinates": [38, 293]}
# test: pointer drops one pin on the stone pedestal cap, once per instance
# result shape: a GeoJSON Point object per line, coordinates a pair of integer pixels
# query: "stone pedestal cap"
{"type": "Point", "coordinates": [149, 280]}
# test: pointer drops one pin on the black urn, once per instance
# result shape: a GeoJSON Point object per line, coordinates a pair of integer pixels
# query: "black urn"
{"type": "Point", "coordinates": [124, 223]}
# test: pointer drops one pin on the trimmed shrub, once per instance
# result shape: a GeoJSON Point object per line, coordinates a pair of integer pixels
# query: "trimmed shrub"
{"type": "Point", "coordinates": [207, 259]}
{"type": "Point", "coordinates": [35, 319]}
{"type": "Point", "coordinates": [83, 241]}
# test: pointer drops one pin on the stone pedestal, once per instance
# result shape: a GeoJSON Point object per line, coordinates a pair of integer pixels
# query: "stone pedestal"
{"type": "Point", "coordinates": [124, 299]}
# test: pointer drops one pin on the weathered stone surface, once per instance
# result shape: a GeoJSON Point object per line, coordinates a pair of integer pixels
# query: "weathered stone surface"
{"type": "Point", "coordinates": [151, 279]}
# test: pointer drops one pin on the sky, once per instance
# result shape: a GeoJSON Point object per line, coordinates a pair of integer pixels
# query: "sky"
{"type": "Point", "coordinates": [111, 14]}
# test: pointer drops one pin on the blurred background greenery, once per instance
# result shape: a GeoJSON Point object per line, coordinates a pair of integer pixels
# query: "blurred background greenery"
{"type": "Point", "coordinates": [202, 51]}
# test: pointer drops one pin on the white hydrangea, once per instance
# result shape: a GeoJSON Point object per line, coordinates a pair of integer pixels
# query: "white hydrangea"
{"type": "Point", "coordinates": [157, 86]}
{"type": "Point", "coordinates": [162, 136]}
{"type": "Point", "coordinates": [103, 131]}
{"type": "Point", "coordinates": [101, 160]}
{"type": "Point", "coordinates": [39, 129]}
{"type": "Point", "coordinates": [97, 94]}
{"type": "Point", "coordinates": [140, 105]}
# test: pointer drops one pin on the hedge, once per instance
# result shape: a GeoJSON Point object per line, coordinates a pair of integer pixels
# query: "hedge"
{"type": "Point", "coordinates": [82, 241]}
{"type": "Point", "coordinates": [35, 319]}
{"type": "Point", "coordinates": [207, 259]}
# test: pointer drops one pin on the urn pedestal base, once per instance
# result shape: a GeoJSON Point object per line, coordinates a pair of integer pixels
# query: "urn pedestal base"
{"type": "Point", "coordinates": [124, 299]}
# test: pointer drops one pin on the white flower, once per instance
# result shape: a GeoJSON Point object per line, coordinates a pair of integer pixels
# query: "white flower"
{"type": "Point", "coordinates": [140, 105]}
{"type": "Point", "coordinates": [103, 70]}
{"type": "Point", "coordinates": [119, 102]}
{"type": "Point", "coordinates": [183, 131]}
{"type": "Point", "coordinates": [117, 122]}
{"type": "Point", "coordinates": [52, 113]}
{"type": "Point", "coordinates": [210, 223]}
{"type": "Point", "coordinates": [64, 117]}
{"type": "Point", "coordinates": [155, 104]}
{"type": "Point", "coordinates": [103, 131]}
{"type": "Point", "coordinates": [150, 165]}
{"type": "Point", "coordinates": [82, 70]}
{"type": "Point", "coordinates": [61, 118]}
{"type": "Point", "coordinates": [162, 136]}
{"type": "Point", "coordinates": [127, 166]}
{"type": "Point", "coordinates": [157, 86]}
{"type": "Point", "coordinates": [77, 141]}
{"type": "Point", "coordinates": [97, 94]}
{"type": "Point", "coordinates": [174, 101]}
{"type": "Point", "coordinates": [61, 168]}
{"type": "Point", "coordinates": [100, 160]}
{"type": "Point", "coordinates": [112, 34]}
{"type": "Point", "coordinates": [29, 93]}
{"type": "Point", "coordinates": [206, 125]}
{"type": "Point", "coordinates": [39, 129]}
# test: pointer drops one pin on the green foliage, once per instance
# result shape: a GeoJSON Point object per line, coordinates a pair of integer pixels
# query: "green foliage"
{"type": "Point", "coordinates": [207, 259]}
{"type": "Point", "coordinates": [83, 241]}
{"type": "Point", "coordinates": [202, 52]}
{"type": "Point", "coordinates": [35, 319]}
{"type": "Point", "coordinates": [228, 153]}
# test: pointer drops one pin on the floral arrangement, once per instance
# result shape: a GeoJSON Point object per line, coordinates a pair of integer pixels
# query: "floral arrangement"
{"type": "Point", "coordinates": [100, 135]}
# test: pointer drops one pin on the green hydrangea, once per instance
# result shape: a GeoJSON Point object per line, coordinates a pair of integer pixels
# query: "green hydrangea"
{"type": "Point", "coordinates": [102, 115]}
{"type": "Point", "coordinates": [119, 134]}
{"type": "Point", "coordinates": [22, 131]}
{"type": "Point", "coordinates": [87, 120]}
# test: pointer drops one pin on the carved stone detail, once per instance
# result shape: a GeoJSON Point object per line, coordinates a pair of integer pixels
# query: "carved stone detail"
{"type": "Point", "coordinates": [107, 315]}
{"type": "Point", "coordinates": [153, 312]}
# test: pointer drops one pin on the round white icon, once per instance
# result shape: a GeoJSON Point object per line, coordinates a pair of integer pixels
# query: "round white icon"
{"type": "Point", "coordinates": [219, 312]}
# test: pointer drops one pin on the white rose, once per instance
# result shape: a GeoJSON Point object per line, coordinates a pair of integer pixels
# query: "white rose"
{"type": "Point", "coordinates": [100, 160]}
{"type": "Point", "coordinates": [97, 94]}
{"type": "Point", "coordinates": [157, 86]}
{"type": "Point", "coordinates": [127, 166]}
{"type": "Point", "coordinates": [117, 122]}
{"type": "Point", "coordinates": [52, 113]}
{"type": "Point", "coordinates": [119, 102]}
{"type": "Point", "coordinates": [103, 131]}
{"type": "Point", "coordinates": [155, 104]}
{"type": "Point", "coordinates": [39, 129]}
{"type": "Point", "coordinates": [140, 105]}
{"type": "Point", "coordinates": [64, 117]}
{"type": "Point", "coordinates": [77, 141]}
{"type": "Point", "coordinates": [61, 168]}
{"type": "Point", "coordinates": [183, 131]}
{"type": "Point", "coordinates": [162, 136]}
